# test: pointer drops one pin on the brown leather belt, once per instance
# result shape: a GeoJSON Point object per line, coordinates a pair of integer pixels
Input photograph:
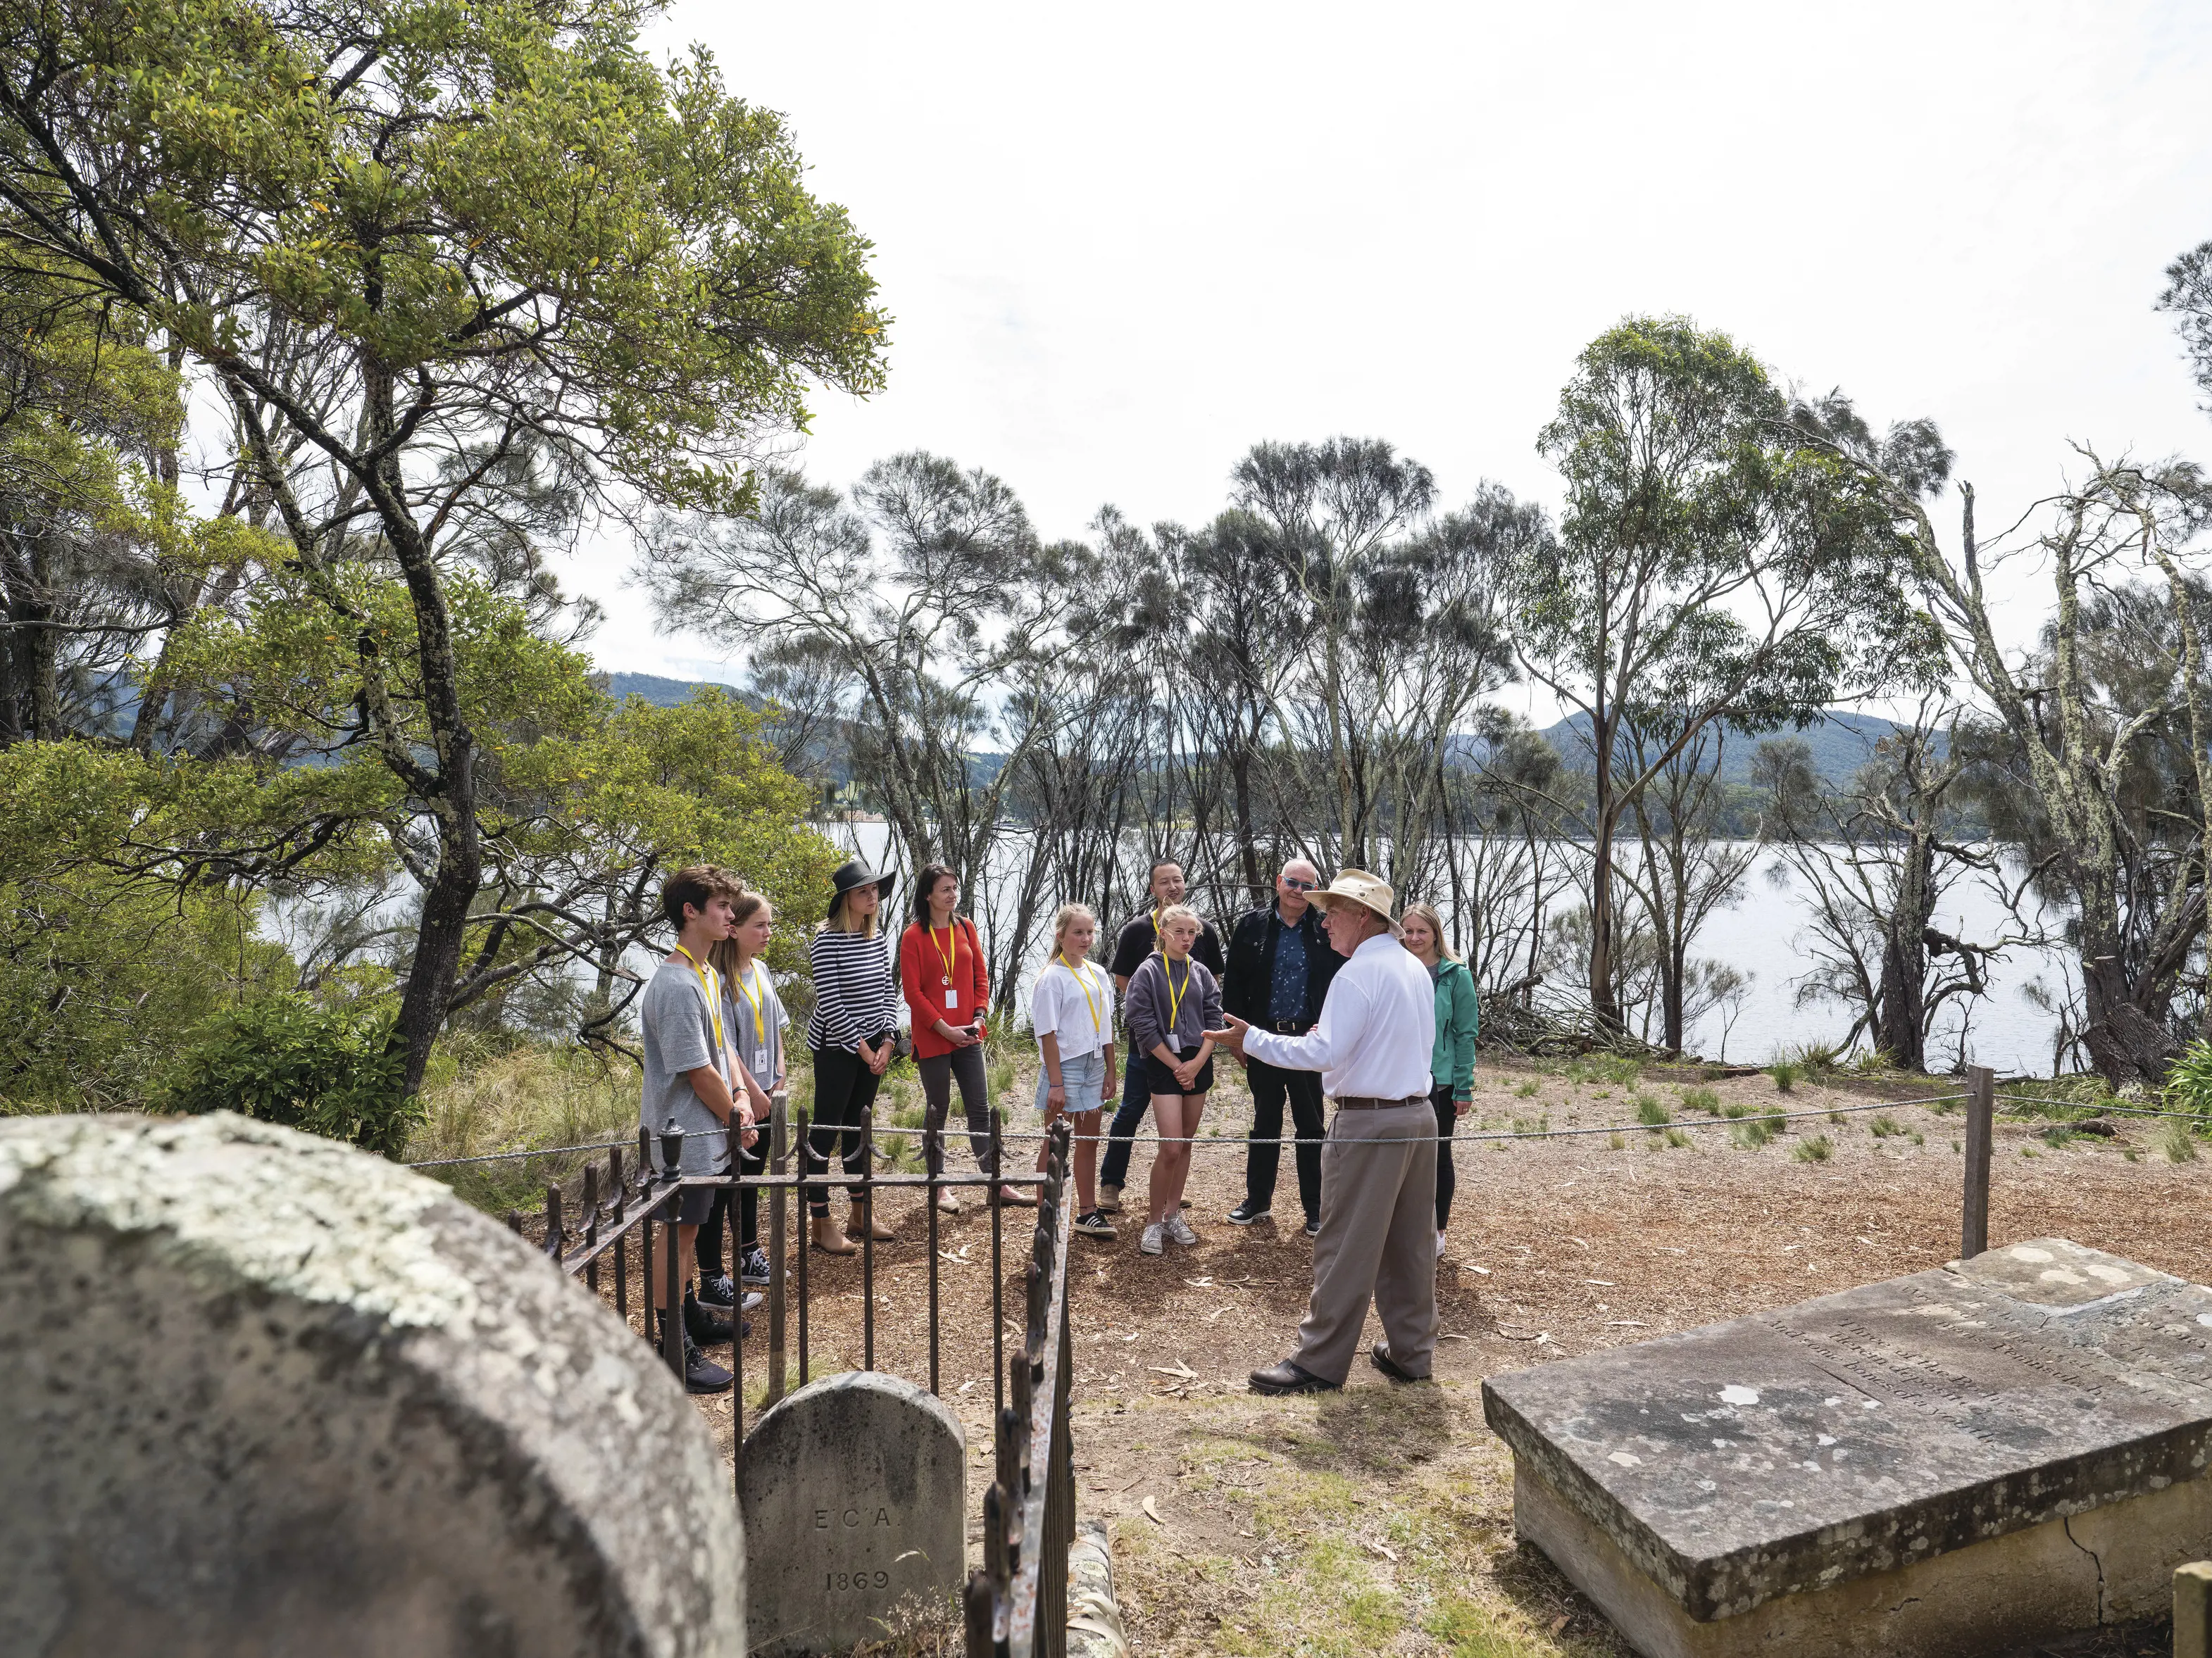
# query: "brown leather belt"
{"type": "Point", "coordinates": [1369, 1103]}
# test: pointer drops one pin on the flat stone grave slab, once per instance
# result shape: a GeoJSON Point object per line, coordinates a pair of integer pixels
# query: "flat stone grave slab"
{"type": "Point", "coordinates": [2001, 1451]}
{"type": "Point", "coordinates": [855, 1500]}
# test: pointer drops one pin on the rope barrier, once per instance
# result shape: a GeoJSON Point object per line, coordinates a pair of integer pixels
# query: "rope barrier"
{"type": "Point", "coordinates": [953, 1131]}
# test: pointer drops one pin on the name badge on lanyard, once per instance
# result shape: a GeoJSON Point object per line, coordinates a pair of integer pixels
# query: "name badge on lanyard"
{"type": "Point", "coordinates": [761, 1072]}
{"type": "Point", "coordinates": [951, 998]}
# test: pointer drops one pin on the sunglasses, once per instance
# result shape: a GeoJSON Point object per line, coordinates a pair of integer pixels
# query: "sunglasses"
{"type": "Point", "coordinates": [1301, 886]}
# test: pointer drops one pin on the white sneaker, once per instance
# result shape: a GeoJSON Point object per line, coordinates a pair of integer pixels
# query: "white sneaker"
{"type": "Point", "coordinates": [1440, 1246]}
{"type": "Point", "coordinates": [1179, 1230]}
{"type": "Point", "coordinates": [1153, 1240]}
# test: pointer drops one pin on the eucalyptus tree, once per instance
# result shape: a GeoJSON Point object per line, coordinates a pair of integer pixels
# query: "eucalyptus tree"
{"type": "Point", "coordinates": [2104, 723]}
{"type": "Point", "coordinates": [1876, 856]}
{"type": "Point", "coordinates": [1712, 565]}
{"type": "Point", "coordinates": [400, 244]}
{"type": "Point", "coordinates": [918, 596]}
{"type": "Point", "coordinates": [1334, 511]}
{"type": "Point", "coordinates": [1682, 873]}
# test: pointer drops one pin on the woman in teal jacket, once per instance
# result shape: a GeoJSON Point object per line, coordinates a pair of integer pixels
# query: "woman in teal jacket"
{"type": "Point", "coordinates": [1451, 1064]}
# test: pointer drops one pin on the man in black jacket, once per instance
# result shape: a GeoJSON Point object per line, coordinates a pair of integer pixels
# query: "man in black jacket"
{"type": "Point", "coordinates": [1279, 966]}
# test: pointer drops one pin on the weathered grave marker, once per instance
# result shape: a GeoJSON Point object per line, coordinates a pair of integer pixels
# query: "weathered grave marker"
{"type": "Point", "coordinates": [1999, 1451]}
{"type": "Point", "coordinates": [370, 1420]}
{"type": "Point", "coordinates": [855, 1500]}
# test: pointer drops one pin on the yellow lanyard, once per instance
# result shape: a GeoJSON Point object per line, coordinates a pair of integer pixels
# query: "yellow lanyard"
{"type": "Point", "coordinates": [752, 998]}
{"type": "Point", "coordinates": [950, 949]}
{"type": "Point", "coordinates": [1175, 996]}
{"type": "Point", "coordinates": [1083, 984]}
{"type": "Point", "coordinates": [707, 983]}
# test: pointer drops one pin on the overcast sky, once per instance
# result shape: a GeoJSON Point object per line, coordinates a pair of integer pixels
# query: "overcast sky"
{"type": "Point", "coordinates": [1122, 244]}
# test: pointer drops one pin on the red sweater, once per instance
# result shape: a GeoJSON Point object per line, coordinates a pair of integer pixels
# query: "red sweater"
{"type": "Point", "coordinates": [921, 970]}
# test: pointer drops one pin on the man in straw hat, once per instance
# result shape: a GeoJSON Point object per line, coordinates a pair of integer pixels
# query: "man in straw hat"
{"type": "Point", "coordinates": [1378, 1168]}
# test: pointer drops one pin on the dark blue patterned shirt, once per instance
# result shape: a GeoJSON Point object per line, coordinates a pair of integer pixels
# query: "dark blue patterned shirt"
{"type": "Point", "coordinates": [1287, 993]}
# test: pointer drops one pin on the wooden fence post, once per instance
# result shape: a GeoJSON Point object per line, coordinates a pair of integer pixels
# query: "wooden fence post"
{"type": "Point", "coordinates": [1981, 1121]}
{"type": "Point", "coordinates": [2193, 1611]}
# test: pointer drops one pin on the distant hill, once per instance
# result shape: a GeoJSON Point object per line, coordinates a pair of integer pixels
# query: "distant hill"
{"type": "Point", "coordinates": [1841, 743]}
{"type": "Point", "coordinates": [661, 693]}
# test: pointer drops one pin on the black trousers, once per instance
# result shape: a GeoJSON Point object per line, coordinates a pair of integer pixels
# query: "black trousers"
{"type": "Point", "coordinates": [1447, 1177]}
{"type": "Point", "coordinates": [939, 1071]}
{"type": "Point", "coordinates": [1270, 1086]}
{"type": "Point", "coordinates": [752, 1162]}
{"type": "Point", "coordinates": [1120, 1136]}
{"type": "Point", "coordinates": [844, 1096]}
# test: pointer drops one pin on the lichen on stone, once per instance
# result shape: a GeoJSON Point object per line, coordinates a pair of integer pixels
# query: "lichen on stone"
{"type": "Point", "coordinates": [239, 1203]}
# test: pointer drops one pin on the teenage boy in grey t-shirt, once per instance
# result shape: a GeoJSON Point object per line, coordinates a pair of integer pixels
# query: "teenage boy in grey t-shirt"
{"type": "Point", "coordinates": [687, 1077]}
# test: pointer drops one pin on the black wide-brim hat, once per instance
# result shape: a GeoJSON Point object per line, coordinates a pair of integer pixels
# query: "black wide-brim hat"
{"type": "Point", "coordinates": [857, 874]}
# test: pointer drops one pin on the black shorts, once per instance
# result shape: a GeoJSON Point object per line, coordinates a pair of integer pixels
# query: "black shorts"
{"type": "Point", "coordinates": [695, 1206]}
{"type": "Point", "coordinates": [1161, 1080]}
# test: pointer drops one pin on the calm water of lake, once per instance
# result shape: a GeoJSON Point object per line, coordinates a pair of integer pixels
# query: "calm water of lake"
{"type": "Point", "coordinates": [1763, 937]}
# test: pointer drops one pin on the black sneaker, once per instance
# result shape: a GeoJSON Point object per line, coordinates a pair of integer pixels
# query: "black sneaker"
{"type": "Point", "coordinates": [754, 1270]}
{"type": "Point", "coordinates": [1095, 1225]}
{"type": "Point", "coordinates": [718, 1292]}
{"type": "Point", "coordinates": [1248, 1211]}
{"type": "Point", "coordinates": [703, 1325]}
{"type": "Point", "coordinates": [701, 1374]}
{"type": "Point", "coordinates": [1313, 1226]}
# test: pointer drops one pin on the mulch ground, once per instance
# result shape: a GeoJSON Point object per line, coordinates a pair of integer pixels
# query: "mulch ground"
{"type": "Point", "coordinates": [1380, 1519]}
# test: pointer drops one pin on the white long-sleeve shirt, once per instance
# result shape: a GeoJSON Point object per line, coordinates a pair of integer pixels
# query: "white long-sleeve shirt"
{"type": "Point", "coordinates": [1378, 1028]}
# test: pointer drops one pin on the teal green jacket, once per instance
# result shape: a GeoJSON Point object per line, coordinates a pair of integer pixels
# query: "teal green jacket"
{"type": "Point", "coordinates": [1453, 1059]}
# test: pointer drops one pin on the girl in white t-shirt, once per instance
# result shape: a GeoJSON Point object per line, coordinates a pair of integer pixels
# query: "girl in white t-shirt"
{"type": "Point", "coordinates": [1072, 1011]}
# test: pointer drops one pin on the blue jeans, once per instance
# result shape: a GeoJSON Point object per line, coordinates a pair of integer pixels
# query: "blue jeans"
{"type": "Point", "coordinates": [1136, 1100]}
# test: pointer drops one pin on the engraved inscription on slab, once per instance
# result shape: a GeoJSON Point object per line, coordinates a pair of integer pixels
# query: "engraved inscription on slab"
{"type": "Point", "coordinates": [855, 1499]}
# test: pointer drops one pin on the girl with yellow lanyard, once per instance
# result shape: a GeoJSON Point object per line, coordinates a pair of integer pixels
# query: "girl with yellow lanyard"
{"type": "Point", "coordinates": [1173, 1002]}
{"type": "Point", "coordinates": [1071, 1012]}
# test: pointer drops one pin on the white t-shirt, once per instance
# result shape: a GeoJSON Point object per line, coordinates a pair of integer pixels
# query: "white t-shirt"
{"type": "Point", "coordinates": [1057, 1006]}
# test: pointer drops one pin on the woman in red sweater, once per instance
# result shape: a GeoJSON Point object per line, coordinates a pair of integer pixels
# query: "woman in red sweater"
{"type": "Point", "coordinates": [947, 990]}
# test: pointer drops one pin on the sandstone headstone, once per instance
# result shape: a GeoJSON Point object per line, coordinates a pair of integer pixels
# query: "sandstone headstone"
{"type": "Point", "coordinates": [1994, 1454]}
{"type": "Point", "coordinates": [261, 1394]}
{"type": "Point", "coordinates": [855, 1500]}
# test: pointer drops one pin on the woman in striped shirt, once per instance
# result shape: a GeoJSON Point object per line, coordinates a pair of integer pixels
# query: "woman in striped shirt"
{"type": "Point", "coordinates": [853, 1032]}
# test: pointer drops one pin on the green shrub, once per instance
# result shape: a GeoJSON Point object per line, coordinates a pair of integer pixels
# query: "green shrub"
{"type": "Point", "coordinates": [1785, 1073]}
{"type": "Point", "coordinates": [1884, 1128]}
{"type": "Point", "coordinates": [1526, 1091]}
{"type": "Point", "coordinates": [1677, 1139]}
{"type": "Point", "coordinates": [1751, 1134]}
{"type": "Point", "coordinates": [287, 1060]}
{"type": "Point", "coordinates": [2177, 1143]}
{"type": "Point", "coordinates": [2189, 1084]}
{"type": "Point", "coordinates": [1701, 1099]}
{"type": "Point", "coordinates": [1734, 1111]}
{"type": "Point", "coordinates": [1650, 1113]}
{"type": "Point", "coordinates": [1818, 1149]}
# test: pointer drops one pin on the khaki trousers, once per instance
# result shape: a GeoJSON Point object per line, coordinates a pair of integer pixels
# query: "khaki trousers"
{"type": "Point", "coordinates": [1377, 1239]}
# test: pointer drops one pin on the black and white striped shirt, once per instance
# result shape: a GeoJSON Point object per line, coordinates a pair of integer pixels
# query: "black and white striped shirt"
{"type": "Point", "coordinates": [855, 999]}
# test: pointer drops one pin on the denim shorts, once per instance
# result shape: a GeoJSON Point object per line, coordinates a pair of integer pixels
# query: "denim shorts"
{"type": "Point", "coordinates": [1083, 1077]}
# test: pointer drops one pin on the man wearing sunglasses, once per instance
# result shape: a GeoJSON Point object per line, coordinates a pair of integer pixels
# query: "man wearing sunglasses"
{"type": "Point", "coordinates": [1279, 966]}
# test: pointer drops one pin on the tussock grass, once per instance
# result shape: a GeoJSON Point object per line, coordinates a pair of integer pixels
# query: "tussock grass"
{"type": "Point", "coordinates": [1701, 1099]}
{"type": "Point", "coordinates": [1785, 1073]}
{"type": "Point", "coordinates": [519, 1101]}
{"type": "Point", "coordinates": [1818, 1149]}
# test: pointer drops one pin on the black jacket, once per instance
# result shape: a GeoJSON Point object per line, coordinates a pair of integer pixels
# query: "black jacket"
{"type": "Point", "coordinates": [1251, 971]}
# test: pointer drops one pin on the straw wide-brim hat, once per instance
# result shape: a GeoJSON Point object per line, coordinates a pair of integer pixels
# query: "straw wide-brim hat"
{"type": "Point", "coordinates": [1357, 886]}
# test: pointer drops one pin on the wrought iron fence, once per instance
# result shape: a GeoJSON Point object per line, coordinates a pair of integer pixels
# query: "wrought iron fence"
{"type": "Point", "coordinates": [620, 1207]}
{"type": "Point", "coordinates": [1016, 1600]}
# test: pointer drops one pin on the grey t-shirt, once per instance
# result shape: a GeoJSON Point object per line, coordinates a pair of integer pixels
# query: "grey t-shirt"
{"type": "Point", "coordinates": [759, 1050]}
{"type": "Point", "coordinates": [679, 1037]}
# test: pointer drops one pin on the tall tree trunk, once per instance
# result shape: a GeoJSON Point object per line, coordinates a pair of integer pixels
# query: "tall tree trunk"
{"type": "Point", "coordinates": [1899, 1010]}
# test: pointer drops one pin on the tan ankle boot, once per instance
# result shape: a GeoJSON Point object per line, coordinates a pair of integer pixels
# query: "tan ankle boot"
{"type": "Point", "coordinates": [866, 1224]}
{"type": "Point", "coordinates": [830, 1239]}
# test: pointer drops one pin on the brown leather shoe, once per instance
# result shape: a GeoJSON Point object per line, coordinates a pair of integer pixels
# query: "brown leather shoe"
{"type": "Point", "coordinates": [830, 1238]}
{"type": "Point", "coordinates": [867, 1223]}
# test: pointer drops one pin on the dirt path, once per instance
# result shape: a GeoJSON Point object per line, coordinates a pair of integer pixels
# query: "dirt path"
{"type": "Point", "coordinates": [1379, 1519]}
